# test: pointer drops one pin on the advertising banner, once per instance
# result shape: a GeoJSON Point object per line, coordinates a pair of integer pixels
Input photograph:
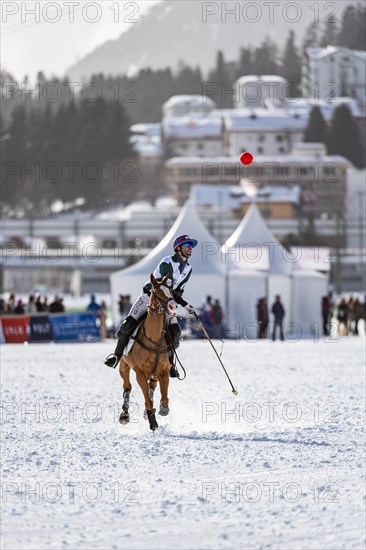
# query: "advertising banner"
{"type": "Point", "coordinates": [15, 329]}
{"type": "Point", "coordinates": [76, 327]}
{"type": "Point", "coordinates": [40, 329]}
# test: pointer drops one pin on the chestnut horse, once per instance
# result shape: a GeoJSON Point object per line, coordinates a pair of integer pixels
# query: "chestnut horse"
{"type": "Point", "coordinates": [149, 356]}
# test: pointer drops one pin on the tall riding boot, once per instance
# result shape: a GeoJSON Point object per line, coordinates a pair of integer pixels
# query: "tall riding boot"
{"type": "Point", "coordinates": [125, 331]}
{"type": "Point", "coordinates": [174, 333]}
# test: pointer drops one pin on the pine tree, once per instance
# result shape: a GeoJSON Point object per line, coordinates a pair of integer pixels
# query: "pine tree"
{"type": "Point", "coordinates": [330, 33]}
{"type": "Point", "coordinates": [14, 156]}
{"type": "Point", "coordinates": [311, 39]}
{"type": "Point", "coordinates": [352, 33]}
{"type": "Point", "coordinates": [344, 137]}
{"type": "Point", "coordinates": [316, 130]}
{"type": "Point", "coordinates": [291, 65]}
{"type": "Point", "coordinates": [265, 58]}
{"type": "Point", "coordinates": [219, 77]}
{"type": "Point", "coordinates": [245, 66]}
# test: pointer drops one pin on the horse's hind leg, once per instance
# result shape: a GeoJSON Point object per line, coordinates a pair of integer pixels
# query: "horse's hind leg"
{"type": "Point", "coordinates": [142, 382]}
{"type": "Point", "coordinates": [124, 371]}
{"type": "Point", "coordinates": [164, 402]}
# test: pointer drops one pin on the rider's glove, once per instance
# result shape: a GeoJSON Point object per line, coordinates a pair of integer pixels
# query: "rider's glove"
{"type": "Point", "coordinates": [189, 308]}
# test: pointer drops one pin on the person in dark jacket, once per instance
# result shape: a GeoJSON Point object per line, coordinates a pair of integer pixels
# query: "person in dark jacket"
{"type": "Point", "coordinates": [279, 313]}
{"type": "Point", "coordinates": [262, 317]}
{"type": "Point", "coordinates": [19, 309]}
{"type": "Point", "coordinates": [325, 314]}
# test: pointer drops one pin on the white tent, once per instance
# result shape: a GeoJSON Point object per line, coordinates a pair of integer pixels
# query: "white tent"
{"type": "Point", "coordinates": [259, 266]}
{"type": "Point", "coordinates": [208, 270]}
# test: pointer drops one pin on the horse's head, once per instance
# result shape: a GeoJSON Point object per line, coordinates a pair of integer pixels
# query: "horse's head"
{"type": "Point", "coordinates": [161, 298]}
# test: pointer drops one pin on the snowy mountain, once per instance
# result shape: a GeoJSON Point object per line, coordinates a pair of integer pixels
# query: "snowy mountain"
{"type": "Point", "coordinates": [193, 31]}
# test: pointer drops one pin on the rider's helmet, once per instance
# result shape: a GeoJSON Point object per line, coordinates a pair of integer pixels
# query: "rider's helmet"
{"type": "Point", "coordinates": [183, 239]}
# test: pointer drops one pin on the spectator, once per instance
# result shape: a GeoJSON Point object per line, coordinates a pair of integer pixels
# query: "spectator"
{"type": "Point", "coordinates": [39, 304]}
{"type": "Point", "coordinates": [121, 305]}
{"type": "Point", "coordinates": [325, 315]}
{"type": "Point", "coordinates": [2, 306]}
{"type": "Point", "coordinates": [262, 317]}
{"type": "Point", "coordinates": [45, 305]}
{"type": "Point", "coordinates": [10, 304]}
{"type": "Point", "coordinates": [103, 320]}
{"type": "Point", "coordinates": [127, 302]}
{"type": "Point", "coordinates": [31, 306]}
{"type": "Point", "coordinates": [279, 313]}
{"type": "Point", "coordinates": [350, 316]}
{"type": "Point", "coordinates": [217, 317]}
{"type": "Point", "coordinates": [57, 305]}
{"type": "Point", "coordinates": [358, 313]}
{"type": "Point", "coordinates": [19, 309]}
{"type": "Point", "coordinates": [343, 318]}
{"type": "Point", "coordinates": [93, 306]}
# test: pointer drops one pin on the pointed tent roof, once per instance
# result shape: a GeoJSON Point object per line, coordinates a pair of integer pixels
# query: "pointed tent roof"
{"type": "Point", "coordinates": [253, 229]}
{"type": "Point", "coordinates": [206, 257]}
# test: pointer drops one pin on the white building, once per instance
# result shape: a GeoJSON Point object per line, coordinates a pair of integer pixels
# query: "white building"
{"type": "Point", "coordinates": [262, 132]}
{"type": "Point", "coordinates": [182, 105]}
{"type": "Point", "coordinates": [334, 72]}
{"type": "Point", "coordinates": [252, 91]}
{"type": "Point", "coordinates": [193, 136]}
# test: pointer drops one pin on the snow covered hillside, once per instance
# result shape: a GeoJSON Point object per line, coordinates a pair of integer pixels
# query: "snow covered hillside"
{"type": "Point", "coordinates": [279, 466]}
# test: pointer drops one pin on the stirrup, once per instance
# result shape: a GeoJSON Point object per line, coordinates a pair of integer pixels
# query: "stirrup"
{"type": "Point", "coordinates": [112, 360]}
{"type": "Point", "coordinates": [173, 373]}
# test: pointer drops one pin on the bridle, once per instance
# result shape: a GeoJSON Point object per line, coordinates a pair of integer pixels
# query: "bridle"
{"type": "Point", "coordinates": [162, 308]}
{"type": "Point", "coordinates": [162, 305]}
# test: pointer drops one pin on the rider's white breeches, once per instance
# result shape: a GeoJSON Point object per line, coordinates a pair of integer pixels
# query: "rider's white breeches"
{"type": "Point", "coordinates": [139, 308]}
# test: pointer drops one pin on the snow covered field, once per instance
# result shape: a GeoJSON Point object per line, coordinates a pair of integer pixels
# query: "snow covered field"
{"type": "Point", "coordinates": [279, 466]}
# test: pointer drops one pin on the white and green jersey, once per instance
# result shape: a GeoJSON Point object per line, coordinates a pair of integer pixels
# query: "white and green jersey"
{"type": "Point", "coordinates": [170, 265]}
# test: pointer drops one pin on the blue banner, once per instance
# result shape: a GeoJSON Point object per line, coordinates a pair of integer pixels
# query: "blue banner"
{"type": "Point", "coordinates": [75, 327]}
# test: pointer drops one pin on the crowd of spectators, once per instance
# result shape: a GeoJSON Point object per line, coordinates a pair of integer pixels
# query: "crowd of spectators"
{"type": "Point", "coordinates": [347, 311]}
{"type": "Point", "coordinates": [35, 304]}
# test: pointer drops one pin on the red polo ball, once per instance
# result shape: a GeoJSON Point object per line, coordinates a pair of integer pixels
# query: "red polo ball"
{"type": "Point", "coordinates": [246, 158]}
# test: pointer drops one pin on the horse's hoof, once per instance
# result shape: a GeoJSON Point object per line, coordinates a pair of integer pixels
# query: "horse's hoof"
{"type": "Point", "coordinates": [164, 411]}
{"type": "Point", "coordinates": [152, 420]}
{"type": "Point", "coordinates": [124, 418]}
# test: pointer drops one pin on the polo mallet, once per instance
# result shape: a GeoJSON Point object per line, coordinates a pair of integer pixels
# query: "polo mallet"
{"type": "Point", "coordinates": [213, 347]}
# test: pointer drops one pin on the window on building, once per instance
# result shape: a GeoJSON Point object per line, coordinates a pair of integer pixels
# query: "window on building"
{"type": "Point", "coordinates": [279, 138]}
{"type": "Point", "coordinates": [281, 150]}
{"type": "Point", "coordinates": [183, 146]}
{"type": "Point", "coordinates": [200, 146]}
{"type": "Point", "coordinates": [261, 138]}
{"type": "Point", "coordinates": [259, 150]}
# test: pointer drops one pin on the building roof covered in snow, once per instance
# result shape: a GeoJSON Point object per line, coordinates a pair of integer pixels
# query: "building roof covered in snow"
{"type": "Point", "coordinates": [265, 78]}
{"type": "Point", "coordinates": [189, 100]}
{"type": "Point", "coordinates": [265, 120]}
{"type": "Point", "coordinates": [192, 128]}
{"type": "Point", "coordinates": [319, 53]}
{"type": "Point", "coordinates": [149, 129]}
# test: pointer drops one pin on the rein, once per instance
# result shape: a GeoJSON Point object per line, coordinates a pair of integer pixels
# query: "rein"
{"type": "Point", "coordinates": [161, 309]}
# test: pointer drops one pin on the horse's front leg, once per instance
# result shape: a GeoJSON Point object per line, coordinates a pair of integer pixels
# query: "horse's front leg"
{"type": "Point", "coordinates": [152, 386]}
{"type": "Point", "coordinates": [142, 382]}
{"type": "Point", "coordinates": [124, 371]}
{"type": "Point", "coordinates": [164, 401]}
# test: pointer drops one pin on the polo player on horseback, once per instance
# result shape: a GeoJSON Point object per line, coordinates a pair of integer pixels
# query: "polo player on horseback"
{"type": "Point", "coordinates": [179, 271]}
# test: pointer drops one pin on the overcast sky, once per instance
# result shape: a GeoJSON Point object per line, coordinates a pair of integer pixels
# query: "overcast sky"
{"type": "Point", "coordinates": [32, 42]}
